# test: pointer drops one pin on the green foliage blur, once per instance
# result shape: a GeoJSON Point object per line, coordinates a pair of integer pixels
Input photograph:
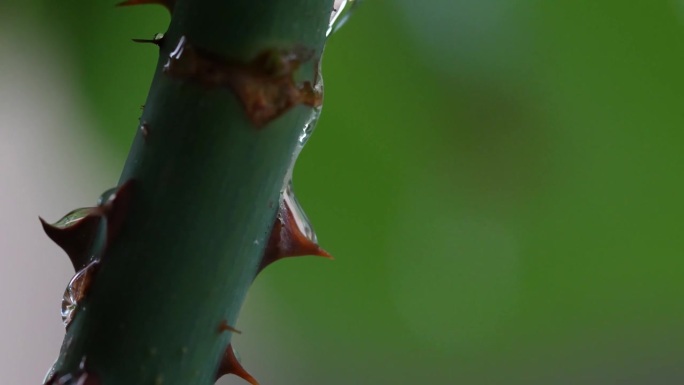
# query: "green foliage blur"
{"type": "Point", "coordinates": [499, 181]}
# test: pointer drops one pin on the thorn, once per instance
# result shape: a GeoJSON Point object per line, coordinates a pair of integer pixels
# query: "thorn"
{"type": "Point", "coordinates": [157, 40]}
{"type": "Point", "coordinates": [75, 234]}
{"type": "Point", "coordinates": [288, 240]}
{"type": "Point", "coordinates": [231, 365]}
{"type": "Point", "coordinates": [224, 327]}
{"type": "Point", "coordinates": [168, 4]}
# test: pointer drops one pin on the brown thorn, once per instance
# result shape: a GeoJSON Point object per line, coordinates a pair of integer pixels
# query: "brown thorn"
{"type": "Point", "coordinates": [265, 86]}
{"type": "Point", "coordinates": [168, 4]}
{"type": "Point", "coordinates": [224, 327]}
{"type": "Point", "coordinates": [76, 231]}
{"type": "Point", "coordinates": [287, 240]}
{"type": "Point", "coordinates": [75, 236]}
{"type": "Point", "coordinates": [230, 365]}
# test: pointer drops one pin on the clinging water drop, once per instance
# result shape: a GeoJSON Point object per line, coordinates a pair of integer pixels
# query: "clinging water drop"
{"type": "Point", "coordinates": [342, 9]}
{"type": "Point", "coordinates": [300, 218]}
{"type": "Point", "coordinates": [76, 291]}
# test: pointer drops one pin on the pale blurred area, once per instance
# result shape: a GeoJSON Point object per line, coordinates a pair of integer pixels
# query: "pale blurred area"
{"type": "Point", "coordinates": [49, 163]}
{"type": "Point", "coordinates": [499, 181]}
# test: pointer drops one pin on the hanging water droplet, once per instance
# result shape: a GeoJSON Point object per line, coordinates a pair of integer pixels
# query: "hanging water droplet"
{"type": "Point", "coordinates": [106, 196]}
{"type": "Point", "coordinates": [76, 291]}
{"type": "Point", "coordinates": [309, 127]}
{"type": "Point", "coordinates": [342, 9]}
{"type": "Point", "coordinates": [300, 218]}
{"type": "Point", "coordinates": [235, 353]}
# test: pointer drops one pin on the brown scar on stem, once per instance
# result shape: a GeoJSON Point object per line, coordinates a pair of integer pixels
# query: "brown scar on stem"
{"type": "Point", "coordinates": [76, 231]}
{"type": "Point", "coordinates": [224, 327]}
{"type": "Point", "coordinates": [168, 4]}
{"type": "Point", "coordinates": [230, 365]}
{"type": "Point", "coordinates": [287, 240]}
{"type": "Point", "coordinates": [265, 86]}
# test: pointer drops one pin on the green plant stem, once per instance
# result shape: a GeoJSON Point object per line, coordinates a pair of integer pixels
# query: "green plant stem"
{"type": "Point", "coordinates": [207, 187]}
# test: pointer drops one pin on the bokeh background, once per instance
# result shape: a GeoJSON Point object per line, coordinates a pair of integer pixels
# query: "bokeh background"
{"type": "Point", "coordinates": [499, 180]}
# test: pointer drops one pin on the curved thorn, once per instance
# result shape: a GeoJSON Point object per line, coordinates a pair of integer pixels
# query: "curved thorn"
{"type": "Point", "coordinates": [230, 365]}
{"type": "Point", "coordinates": [75, 235]}
{"type": "Point", "coordinates": [224, 327]}
{"type": "Point", "coordinates": [287, 240]}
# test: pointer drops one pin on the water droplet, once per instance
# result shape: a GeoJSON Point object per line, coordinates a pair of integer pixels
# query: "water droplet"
{"type": "Point", "coordinates": [236, 354]}
{"type": "Point", "coordinates": [309, 127]}
{"type": "Point", "coordinates": [145, 129]}
{"type": "Point", "coordinates": [177, 52]}
{"type": "Point", "coordinates": [73, 216]}
{"type": "Point", "coordinates": [107, 196]}
{"type": "Point", "coordinates": [342, 9]}
{"type": "Point", "coordinates": [76, 291]}
{"type": "Point", "coordinates": [298, 214]}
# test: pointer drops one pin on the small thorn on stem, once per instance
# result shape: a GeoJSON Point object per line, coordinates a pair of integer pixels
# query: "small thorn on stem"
{"type": "Point", "coordinates": [288, 240]}
{"type": "Point", "coordinates": [157, 40]}
{"type": "Point", "coordinates": [231, 365]}
{"type": "Point", "coordinates": [224, 327]}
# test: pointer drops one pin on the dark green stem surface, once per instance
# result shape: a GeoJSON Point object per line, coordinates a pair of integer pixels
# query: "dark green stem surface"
{"type": "Point", "coordinates": [207, 186]}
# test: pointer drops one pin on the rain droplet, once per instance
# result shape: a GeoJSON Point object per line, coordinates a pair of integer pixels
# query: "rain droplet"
{"type": "Point", "coordinates": [235, 353]}
{"type": "Point", "coordinates": [176, 53]}
{"type": "Point", "coordinates": [106, 196]}
{"type": "Point", "coordinates": [309, 127]}
{"type": "Point", "coordinates": [301, 220]}
{"type": "Point", "coordinates": [342, 9]}
{"type": "Point", "coordinates": [73, 216]}
{"type": "Point", "coordinates": [76, 291]}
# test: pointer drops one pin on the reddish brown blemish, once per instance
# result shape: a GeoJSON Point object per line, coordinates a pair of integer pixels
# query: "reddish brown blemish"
{"type": "Point", "coordinates": [76, 231]}
{"type": "Point", "coordinates": [287, 240]}
{"type": "Point", "coordinates": [168, 4]}
{"type": "Point", "coordinates": [265, 86]}
{"type": "Point", "coordinates": [230, 365]}
{"type": "Point", "coordinates": [224, 327]}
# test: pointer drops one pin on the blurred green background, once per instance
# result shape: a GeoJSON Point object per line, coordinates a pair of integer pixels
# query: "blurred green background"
{"type": "Point", "coordinates": [499, 180]}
